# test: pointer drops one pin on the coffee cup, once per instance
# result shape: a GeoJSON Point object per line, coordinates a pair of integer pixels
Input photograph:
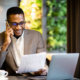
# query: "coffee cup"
{"type": "Point", "coordinates": [3, 73]}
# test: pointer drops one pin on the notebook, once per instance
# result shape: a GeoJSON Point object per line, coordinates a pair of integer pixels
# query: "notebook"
{"type": "Point", "coordinates": [62, 66]}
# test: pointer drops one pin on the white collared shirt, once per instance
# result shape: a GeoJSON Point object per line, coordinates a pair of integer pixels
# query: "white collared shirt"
{"type": "Point", "coordinates": [18, 46]}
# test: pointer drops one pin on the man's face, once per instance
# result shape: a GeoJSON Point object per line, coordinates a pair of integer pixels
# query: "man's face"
{"type": "Point", "coordinates": [13, 20]}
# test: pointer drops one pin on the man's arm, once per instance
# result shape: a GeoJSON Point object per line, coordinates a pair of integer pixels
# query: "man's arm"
{"type": "Point", "coordinates": [2, 57]}
{"type": "Point", "coordinates": [3, 53]}
{"type": "Point", "coordinates": [40, 47]}
{"type": "Point", "coordinates": [7, 40]}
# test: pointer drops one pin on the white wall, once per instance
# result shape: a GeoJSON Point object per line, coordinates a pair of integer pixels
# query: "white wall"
{"type": "Point", "coordinates": [4, 5]}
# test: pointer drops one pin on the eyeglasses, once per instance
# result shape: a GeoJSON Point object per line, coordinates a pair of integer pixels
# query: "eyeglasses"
{"type": "Point", "coordinates": [14, 24]}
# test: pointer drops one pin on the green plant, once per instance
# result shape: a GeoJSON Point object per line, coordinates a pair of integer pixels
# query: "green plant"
{"type": "Point", "coordinates": [56, 25]}
{"type": "Point", "coordinates": [33, 13]}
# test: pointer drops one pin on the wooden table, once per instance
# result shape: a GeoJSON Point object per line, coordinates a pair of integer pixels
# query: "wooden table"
{"type": "Point", "coordinates": [25, 78]}
{"type": "Point", "coordinates": [29, 78]}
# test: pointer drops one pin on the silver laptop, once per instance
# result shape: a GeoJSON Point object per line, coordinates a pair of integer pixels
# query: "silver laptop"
{"type": "Point", "coordinates": [62, 66]}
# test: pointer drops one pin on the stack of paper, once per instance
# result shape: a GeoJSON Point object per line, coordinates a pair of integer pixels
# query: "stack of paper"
{"type": "Point", "coordinates": [32, 62]}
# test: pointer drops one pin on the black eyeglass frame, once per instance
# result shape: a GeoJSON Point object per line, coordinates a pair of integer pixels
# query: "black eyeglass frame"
{"type": "Point", "coordinates": [16, 23]}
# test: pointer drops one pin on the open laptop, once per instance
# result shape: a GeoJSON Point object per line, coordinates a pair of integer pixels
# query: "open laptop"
{"type": "Point", "coordinates": [62, 66]}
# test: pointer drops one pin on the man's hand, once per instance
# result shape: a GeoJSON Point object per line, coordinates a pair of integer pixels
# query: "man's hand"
{"type": "Point", "coordinates": [41, 72]}
{"type": "Point", "coordinates": [8, 35]}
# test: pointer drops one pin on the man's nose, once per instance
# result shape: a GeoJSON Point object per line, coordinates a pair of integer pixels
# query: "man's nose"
{"type": "Point", "coordinates": [18, 27]}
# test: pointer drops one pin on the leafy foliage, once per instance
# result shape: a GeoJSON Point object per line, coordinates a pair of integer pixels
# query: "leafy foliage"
{"type": "Point", "coordinates": [56, 24]}
{"type": "Point", "coordinates": [56, 21]}
{"type": "Point", "coordinates": [33, 13]}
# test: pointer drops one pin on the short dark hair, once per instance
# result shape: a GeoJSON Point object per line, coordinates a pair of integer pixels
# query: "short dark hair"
{"type": "Point", "coordinates": [14, 10]}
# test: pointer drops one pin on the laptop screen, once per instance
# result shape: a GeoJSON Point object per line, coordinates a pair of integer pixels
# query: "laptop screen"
{"type": "Point", "coordinates": [62, 66]}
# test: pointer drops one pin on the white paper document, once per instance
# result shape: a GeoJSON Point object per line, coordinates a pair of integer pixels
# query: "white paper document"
{"type": "Point", "coordinates": [32, 62]}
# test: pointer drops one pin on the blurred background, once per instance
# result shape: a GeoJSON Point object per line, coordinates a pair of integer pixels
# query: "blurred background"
{"type": "Point", "coordinates": [57, 20]}
{"type": "Point", "coordinates": [46, 16]}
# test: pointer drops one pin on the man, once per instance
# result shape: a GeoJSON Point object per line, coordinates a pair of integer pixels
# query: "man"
{"type": "Point", "coordinates": [16, 41]}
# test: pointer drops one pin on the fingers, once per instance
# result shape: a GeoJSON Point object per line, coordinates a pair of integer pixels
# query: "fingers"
{"type": "Point", "coordinates": [44, 72]}
{"type": "Point", "coordinates": [41, 72]}
{"type": "Point", "coordinates": [9, 31]}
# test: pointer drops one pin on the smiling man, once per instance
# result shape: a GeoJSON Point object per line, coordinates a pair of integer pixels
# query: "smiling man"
{"type": "Point", "coordinates": [16, 41]}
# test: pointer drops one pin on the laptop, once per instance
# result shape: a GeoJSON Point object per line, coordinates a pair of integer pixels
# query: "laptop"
{"type": "Point", "coordinates": [62, 66]}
